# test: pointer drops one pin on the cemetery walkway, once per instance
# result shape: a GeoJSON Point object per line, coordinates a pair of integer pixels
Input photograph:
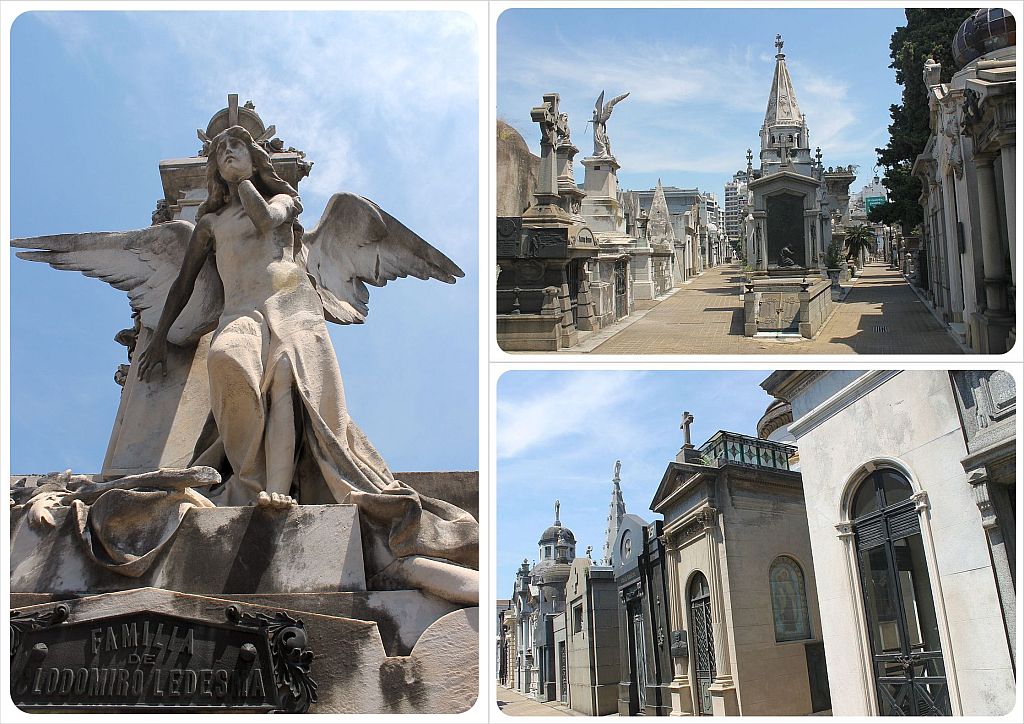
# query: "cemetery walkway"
{"type": "Point", "coordinates": [512, 703]}
{"type": "Point", "coordinates": [881, 315]}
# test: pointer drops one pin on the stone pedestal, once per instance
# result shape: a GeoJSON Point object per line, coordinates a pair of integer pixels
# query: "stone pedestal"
{"type": "Point", "coordinates": [723, 697]}
{"type": "Point", "coordinates": [784, 306]}
{"type": "Point", "coordinates": [174, 637]}
{"type": "Point", "coordinates": [601, 207]}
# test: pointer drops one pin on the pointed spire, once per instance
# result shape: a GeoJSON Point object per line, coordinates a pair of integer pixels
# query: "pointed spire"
{"type": "Point", "coordinates": [782, 106]}
{"type": "Point", "coordinates": [659, 222]}
{"type": "Point", "coordinates": [616, 512]}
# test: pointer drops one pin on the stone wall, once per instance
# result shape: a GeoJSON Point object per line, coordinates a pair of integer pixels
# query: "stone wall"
{"type": "Point", "coordinates": [771, 677]}
{"type": "Point", "coordinates": [517, 172]}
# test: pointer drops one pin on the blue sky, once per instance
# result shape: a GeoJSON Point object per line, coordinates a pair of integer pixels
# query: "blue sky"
{"type": "Point", "coordinates": [384, 104]}
{"type": "Point", "coordinates": [559, 434]}
{"type": "Point", "coordinates": [699, 82]}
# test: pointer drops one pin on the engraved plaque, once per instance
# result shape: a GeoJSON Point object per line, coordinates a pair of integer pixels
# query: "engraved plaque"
{"type": "Point", "coordinates": [152, 662]}
{"type": "Point", "coordinates": [546, 243]}
{"type": "Point", "coordinates": [510, 229]}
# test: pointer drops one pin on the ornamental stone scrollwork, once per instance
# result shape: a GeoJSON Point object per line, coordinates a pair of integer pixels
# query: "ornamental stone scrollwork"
{"type": "Point", "coordinates": [291, 654]}
{"type": "Point", "coordinates": [979, 480]}
{"type": "Point", "coordinates": [21, 623]}
{"type": "Point", "coordinates": [700, 523]}
{"type": "Point", "coordinates": [632, 592]}
{"type": "Point", "coordinates": [921, 502]}
{"type": "Point", "coordinates": [971, 109]}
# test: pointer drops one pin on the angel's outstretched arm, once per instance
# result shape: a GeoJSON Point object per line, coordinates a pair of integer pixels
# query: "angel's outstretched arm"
{"type": "Point", "coordinates": [199, 248]}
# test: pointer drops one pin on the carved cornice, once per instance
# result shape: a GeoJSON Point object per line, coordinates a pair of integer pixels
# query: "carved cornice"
{"type": "Point", "coordinates": [697, 523]}
{"type": "Point", "coordinates": [840, 400]}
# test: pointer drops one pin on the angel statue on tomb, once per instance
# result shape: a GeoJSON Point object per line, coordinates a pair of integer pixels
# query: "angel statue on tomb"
{"type": "Point", "coordinates": [602, 112]}
{"type": "Point", "coordinates": [280, 432]}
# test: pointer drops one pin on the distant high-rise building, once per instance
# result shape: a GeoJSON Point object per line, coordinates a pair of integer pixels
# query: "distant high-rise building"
{"type": "Point", "coordinates": [735, 204]}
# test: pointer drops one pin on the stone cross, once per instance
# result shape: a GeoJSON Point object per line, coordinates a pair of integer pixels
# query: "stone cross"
{"type": "Point", "coordinates": [685, 427]}
{"type": "Point", "coordinates": [549, 119]}
{"type": "Point", "coordinates": [232, 109]}
{"type": "Point", "coordinates": [778, 43]}
{"type": "Point", "coordinates": [750, 164]}
{"type": "Point", "coordinates": [618, 467]}
{"type": "Point", "coordinates": [783, 149]}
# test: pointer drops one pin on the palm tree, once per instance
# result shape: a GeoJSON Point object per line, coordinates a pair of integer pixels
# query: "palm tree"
{"type": "Point", "coordinates": [860, 238]}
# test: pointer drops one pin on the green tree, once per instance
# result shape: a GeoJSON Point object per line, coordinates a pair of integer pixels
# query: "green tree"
{"type": "Point", "coordinates": [928, 33]}
{"type": "Point", "coordinates": [859, 238]}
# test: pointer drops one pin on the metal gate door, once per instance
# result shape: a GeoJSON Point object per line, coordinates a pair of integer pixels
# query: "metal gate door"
{"type": "Point", "coordinates": [910, 674]}
{"type": "Point", "coordinates": [572, 272]}
{"type": "Point", "coordinates": [703, 641]}
{"type": "Point", "coordinates": [639, 646]}
{"type": "Point", "coordinates": [621, 297]}
{"type": "Point", "coordinates": [563, 675]}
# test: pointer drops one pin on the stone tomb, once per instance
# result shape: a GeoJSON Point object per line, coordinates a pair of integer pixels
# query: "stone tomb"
{"type": "Point", "coordinates": [786, 307]}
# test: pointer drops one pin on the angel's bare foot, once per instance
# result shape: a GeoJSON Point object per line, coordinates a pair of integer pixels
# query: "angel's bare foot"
{"type": "Point", "coordinates": [275, 501]}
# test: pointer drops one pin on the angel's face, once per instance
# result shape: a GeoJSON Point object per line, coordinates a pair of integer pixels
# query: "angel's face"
{"type": "Point", "coordinates": [233, 160]}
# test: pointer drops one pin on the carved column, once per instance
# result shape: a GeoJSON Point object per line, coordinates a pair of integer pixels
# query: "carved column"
{"type": "Point", "coordinates": [1007, 154]}
{"type": "Point", "coordinates": [844, 531]}
{"type": "Point", "coordinates": [679, 690]}
{"type": "Point", "coordinates": [1001, 568]}
{"type": "Point", "coordinates": [956, 277]}
{"type": "Point", "coordinates": [996, 319]}
{"type": "Point", "coordinates": [723, 688]}
{"type": "Point", "coordinates": [991, 246]}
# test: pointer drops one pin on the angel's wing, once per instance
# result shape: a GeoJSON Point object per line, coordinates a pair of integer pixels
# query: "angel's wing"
{"type": "Point", "coordinates": [599, 106]}
{"type": "Point", "coordinates": [142, 262]}
{"type": "Point", "coordinates": [612, 102]}
{"type": "Point", "coordinates": [355, 244]}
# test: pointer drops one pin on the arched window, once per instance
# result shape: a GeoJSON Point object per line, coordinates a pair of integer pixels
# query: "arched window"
{"type": "Point", "coordinates": [906, 654]}
{"type": "Point", "coordinates": [789, 600]}
{"type": "Point", "coordinates": [702, 640]}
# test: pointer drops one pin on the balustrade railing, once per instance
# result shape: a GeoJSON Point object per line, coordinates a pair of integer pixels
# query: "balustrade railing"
{"type": "Point", "coordinates": [730, 447]}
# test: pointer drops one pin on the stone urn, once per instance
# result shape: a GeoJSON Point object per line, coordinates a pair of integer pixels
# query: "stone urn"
{"type": "Point", "coordinates": [833, 275]}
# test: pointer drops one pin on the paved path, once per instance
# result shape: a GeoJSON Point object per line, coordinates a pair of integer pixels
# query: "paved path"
{"type": "Point", "coordinates": [881, 315]}
{"type": "Point", "coordinates": [513, 703]}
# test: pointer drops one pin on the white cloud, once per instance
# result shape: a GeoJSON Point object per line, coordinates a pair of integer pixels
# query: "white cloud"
{"type": "Point", "coordinates": [364, 94]}
{"type": "Point", "coordinates": [584, 405]}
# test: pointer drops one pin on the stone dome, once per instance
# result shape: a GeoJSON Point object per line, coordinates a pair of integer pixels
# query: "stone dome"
{"type": "Point", "coordinates": [986, 30]}
{"type": "Point", "coordinates": [777, 414]}
{"type": "Point", "coordinates": [551, 534]}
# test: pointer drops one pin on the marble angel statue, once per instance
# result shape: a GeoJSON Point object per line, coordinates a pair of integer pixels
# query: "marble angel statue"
{"type": "Point", "coordinates": [280, 429]}
{"type": "Point", "coordinates": [602, 112]}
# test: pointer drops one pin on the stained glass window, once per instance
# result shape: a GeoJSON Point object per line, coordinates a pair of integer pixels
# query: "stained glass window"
{"type": "Point", "coordinates": [789, 600]}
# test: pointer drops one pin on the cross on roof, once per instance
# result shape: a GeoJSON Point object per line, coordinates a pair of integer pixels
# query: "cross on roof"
{"type": "Point", "coordinates": [778, 42]}
{"type": "Point", "coordinates": [685, 426]}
